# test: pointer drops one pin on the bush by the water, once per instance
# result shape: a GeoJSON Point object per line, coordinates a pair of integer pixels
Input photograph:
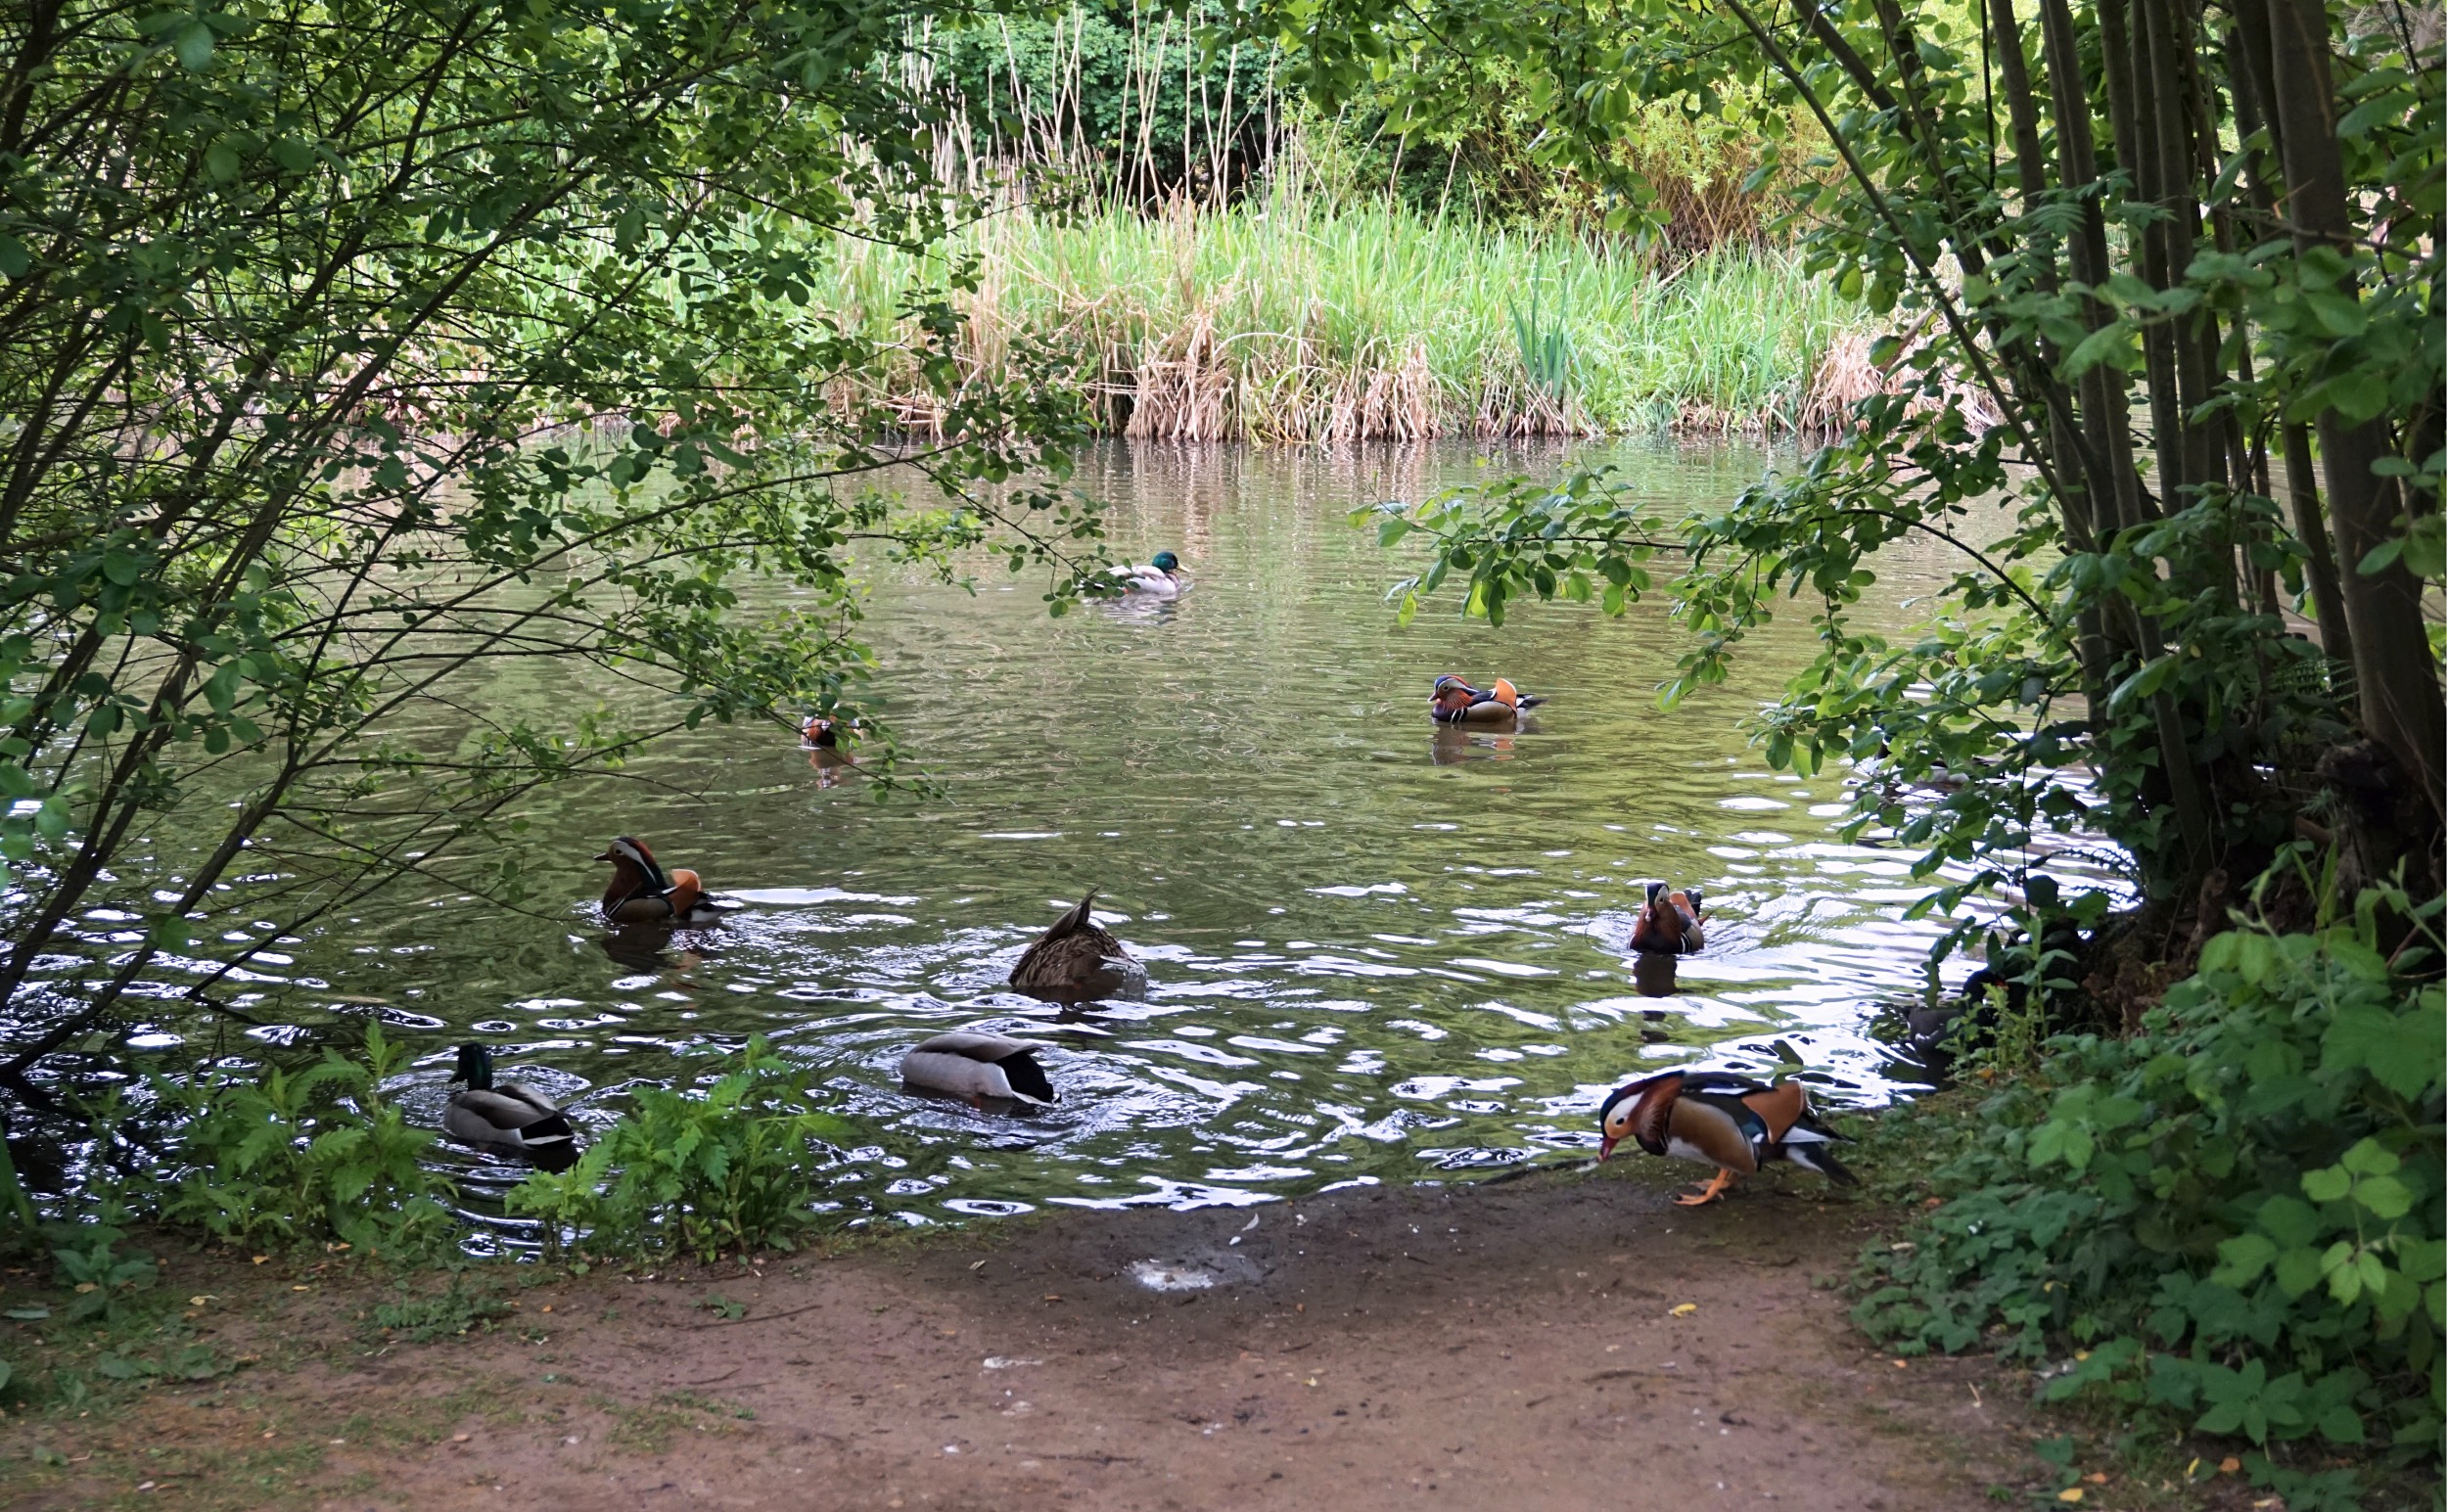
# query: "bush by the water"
{"type": "Point", "coordinates": [2230, 1221]}
{"type": "Point", "coordinates": [700, 1170]}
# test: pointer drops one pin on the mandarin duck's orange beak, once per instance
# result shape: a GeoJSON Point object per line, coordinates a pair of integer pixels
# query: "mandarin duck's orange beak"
{"type": "Point", "coordinates": [1605, 1146]}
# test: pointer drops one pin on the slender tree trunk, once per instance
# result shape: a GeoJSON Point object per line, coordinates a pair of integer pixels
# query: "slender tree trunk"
{"type": "Point", "coordinates": [2395, 674]}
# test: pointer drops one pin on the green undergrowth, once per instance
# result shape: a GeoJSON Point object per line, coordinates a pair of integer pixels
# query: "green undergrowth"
{"type": "Point", "coordinates": [701, 1169]}
{"type": "Point", "coordinates": [2228, 1225]}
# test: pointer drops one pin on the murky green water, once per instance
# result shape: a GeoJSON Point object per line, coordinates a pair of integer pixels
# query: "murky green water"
{"type": "Point", "coordinates": [1376, 955]}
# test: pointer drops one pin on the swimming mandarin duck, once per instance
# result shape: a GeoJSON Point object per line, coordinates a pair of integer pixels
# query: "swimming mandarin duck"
{"type": "Point", "coordinates": [1455, 702]}
{"type": "Point", "coordinates": [1160, 579]}
{"type": "Point", "coordinates": [1670, 923]}
{"type": "Point", "coordinates": [641, 894]}
{"type": "Point", "coordinates": [1731, 1122]}
{"type": "Point", "coordinates": [1077, 961]}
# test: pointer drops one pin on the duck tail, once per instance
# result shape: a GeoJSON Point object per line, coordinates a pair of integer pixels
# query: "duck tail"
{"type": "Point", "coordinates": [1813, 1156]}
{"type": "Point", "coordinates": [1076, 919]}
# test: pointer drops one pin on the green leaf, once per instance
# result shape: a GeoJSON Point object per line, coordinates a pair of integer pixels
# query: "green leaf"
{"type": "Point", "coordinates": [2330, 1183]}
{"type": "Point", "coordinates": [193, 43]}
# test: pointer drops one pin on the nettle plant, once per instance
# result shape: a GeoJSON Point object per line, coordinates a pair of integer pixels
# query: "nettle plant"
{"type": "Point", "coordinates": [2234, 1219]}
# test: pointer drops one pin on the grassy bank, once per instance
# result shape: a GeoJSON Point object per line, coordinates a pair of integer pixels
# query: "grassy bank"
{"type": "Point", "coordinates": [1283, 321]}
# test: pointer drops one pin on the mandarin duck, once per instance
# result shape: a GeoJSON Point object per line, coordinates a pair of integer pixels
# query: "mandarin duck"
{"type": "Point", "coordinates": [640, 893]}
{"type": "Point", "coordinates": [1075, 961]}
{"type": "Point", "coordinates": [1455, 702]}
{"type": "Point", "coordinates": [512, 1119]}
{"type": "Point", "coordinates": [974, 1065]}
{"type": "Point", "coordinates": [1160, 579]}
{"type": "Point", "coordinates": [1731, 1122]}
{"type": "Point", "coordinates": [1669, 925]}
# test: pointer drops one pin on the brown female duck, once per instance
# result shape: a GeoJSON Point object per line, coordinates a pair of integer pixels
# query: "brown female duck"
{"type": "Point", "coordinates": [1076, 961]}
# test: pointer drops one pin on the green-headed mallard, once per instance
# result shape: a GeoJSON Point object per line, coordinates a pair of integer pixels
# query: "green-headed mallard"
{"type": "Point", "coordinates": [1455, 702]}
{"type": "Point", "coordinates": [976, 1066]}
{"type": "Point", "coordinates": [641, 894]}
{"type": "Point", "coordinates": [1075, 961]}
{"type": "Point", "coordinates": [512, 1119]}
{"type": "Point", "coordinates": [1670, 923]}
{"type": "Point", "coordinates": [1160, 579]}
{"type": "Point", "coordinates": [1728, 1122]}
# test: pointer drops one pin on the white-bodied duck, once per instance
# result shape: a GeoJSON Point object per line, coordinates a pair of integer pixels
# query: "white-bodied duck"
{"type": "Point", "coordinates": [511, 1119]}
{"type": "Point", "coordinates": [641, 894]}
{"type": "Point", "coordinates": [974, 1065]}
{"type": "Point", "coordinates": [1159, 579]}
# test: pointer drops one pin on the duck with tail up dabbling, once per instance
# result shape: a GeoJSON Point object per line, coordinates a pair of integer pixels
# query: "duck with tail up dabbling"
{"type": "Point", "coordinates": [1721, 1120]}
{"type": "Point", "coordinates": [1455, 701]}
{"type": "Point", "coordinates": [973, 1065]}
{"type": "Point", "coordinates": [641, 892]}
{"type": "Point", "coordinates": [511, 1119]}
{"type": "Point", "coordinates": [1078, 960]}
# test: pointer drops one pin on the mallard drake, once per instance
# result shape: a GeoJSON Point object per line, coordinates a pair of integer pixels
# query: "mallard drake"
{"type": "Point", "coordinates": [1713, 1117]}
{"type": "Point", "coordinates": [512, 1119]}
{"type": "Point", "coordinates": [1160, 579]}
{"type": "Point", "coordinates": [1075, 961]}
{"type": "Point", "coordinates": [1455, 702]}
{"type": "Point", "coordinates": [640, 893]}
{"type": "Point", "coordinates": [1670, 923]}
{"type": "Point", "coordinates": [972, 1064]}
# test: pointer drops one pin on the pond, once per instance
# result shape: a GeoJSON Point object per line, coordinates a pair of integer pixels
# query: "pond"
{"type": "Point", "coordinates": [1376, 954]}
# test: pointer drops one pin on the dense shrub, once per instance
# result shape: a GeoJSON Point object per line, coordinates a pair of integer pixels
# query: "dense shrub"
{"type": "Point", "coordinates": [695, 1171]}
{"type": "Point", "coordinates": [287, 1157]}
{"type": "Point", "coordinates": [2230, 1220]}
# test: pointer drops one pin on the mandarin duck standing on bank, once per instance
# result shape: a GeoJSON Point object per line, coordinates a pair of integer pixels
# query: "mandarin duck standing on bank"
{"type": "Point", "coordinates": [1077, 961]}
{"type": "Point", "coordinates": [1455, 702]}
{"type": "Point", "coordinates": [1160, 579]}
{"type": "Point", "coordinates": [512, 1119]}
{"type": "Point", "coordinates": [640, 893]}
{"type": "Point", "coordinates": [1728, 1122]}
{"type": "Point", "coordinates": [1670, 923]}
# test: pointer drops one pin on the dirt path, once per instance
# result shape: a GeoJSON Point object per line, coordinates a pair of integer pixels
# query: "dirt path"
{"type": "Point", "coordinates": [1547, 1342]}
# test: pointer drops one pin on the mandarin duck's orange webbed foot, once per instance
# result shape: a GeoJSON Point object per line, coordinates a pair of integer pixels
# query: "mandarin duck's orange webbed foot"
{"type": "Point", "coordinates": [1714, 1190]}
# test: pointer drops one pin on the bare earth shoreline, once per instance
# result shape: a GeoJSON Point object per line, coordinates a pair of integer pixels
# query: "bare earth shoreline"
{"type": "Point", "coordinates": [1553, 1342]}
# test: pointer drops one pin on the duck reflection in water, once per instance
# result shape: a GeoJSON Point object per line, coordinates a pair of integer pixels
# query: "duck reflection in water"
{"type": "Point", "coordinates": [1653, 974]}
{"type": "Point", "coordinates": [646, 950]}
{"type": "Point", "coordinates": [1453, 747]}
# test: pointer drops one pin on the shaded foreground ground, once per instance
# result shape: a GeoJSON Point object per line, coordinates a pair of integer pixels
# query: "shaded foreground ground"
{"type": "Point", "coordinates": [1549, 1342]}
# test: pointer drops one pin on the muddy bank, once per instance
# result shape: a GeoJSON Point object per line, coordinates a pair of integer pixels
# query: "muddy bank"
{"type": "Point", "coordinates": [1559, 1341]}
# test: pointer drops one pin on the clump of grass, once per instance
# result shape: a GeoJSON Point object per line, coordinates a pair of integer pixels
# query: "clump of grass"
{"type": "Point", "coordinates": [444, 1315]}
{"type": "Point", "coordinates": [1288, 320]}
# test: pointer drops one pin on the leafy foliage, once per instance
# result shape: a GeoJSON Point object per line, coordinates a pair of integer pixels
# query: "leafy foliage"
{"type": "Point", "coordinates": [2207, 416]}
{"type": "Point", "coordinates": [731, 1165]}
{"type": "Point", "coordinates": [447, 1314]}
{"type": "Point", "coordinates": [352, 356]}
{"type": "Point", "coordinates": [292, 1156]}
{"type": "Point", "coordinates": [2235, 1220]}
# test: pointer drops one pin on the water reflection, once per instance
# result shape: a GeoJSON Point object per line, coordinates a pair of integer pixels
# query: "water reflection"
{"type": "Point", "coordinates": [1372, 956]}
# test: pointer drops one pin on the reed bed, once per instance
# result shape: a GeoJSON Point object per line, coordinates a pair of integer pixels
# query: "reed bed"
{"type": "Point", "coordinates": [1278, 321]}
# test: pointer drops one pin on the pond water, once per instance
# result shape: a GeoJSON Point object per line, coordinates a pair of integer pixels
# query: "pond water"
{"type": "Point", "coordinates": [1375, 954]}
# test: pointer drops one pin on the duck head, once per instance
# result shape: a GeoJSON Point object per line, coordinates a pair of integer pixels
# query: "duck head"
{"type": "Point", "coordinates": [820, 733]}
{"type": "Point", "coordinates": [634, 870]}
{"type": "Point", "coordinates": [1614, 1118]}
{"type": "Point", "coordinates": [1452, 694]}
{"type": "Point", "coordinates": [1168, 564]}
{"type": "Point", "coordinates": [475, 1067]}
